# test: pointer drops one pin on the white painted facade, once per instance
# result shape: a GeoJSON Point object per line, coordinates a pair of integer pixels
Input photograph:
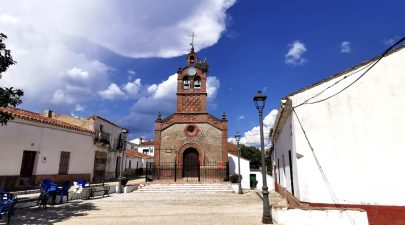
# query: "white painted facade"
{"type": "Point", "coordinates": [244, 169]}
{"type": "Point", "coordinates": [259, 178]}
{"type": "Point", "coordinates": [48, 142]}
{"type": "Point", "coordinates": [146, 149]}
{"type": "Point", "coordinates": [319, 217]}
{"type": "Point", "coordinates": [114, 155]}
{"type": "Point", "coordinates": [357, 137]}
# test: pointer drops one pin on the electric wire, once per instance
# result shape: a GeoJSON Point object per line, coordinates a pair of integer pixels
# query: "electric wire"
{"type": "Point", "coordinates": [323, 174]}
{"type": "Point", "coordinates": [357, 79]}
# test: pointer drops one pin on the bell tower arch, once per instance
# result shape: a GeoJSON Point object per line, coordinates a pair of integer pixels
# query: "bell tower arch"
{"type": "Point", "coordinates": [192, 85]}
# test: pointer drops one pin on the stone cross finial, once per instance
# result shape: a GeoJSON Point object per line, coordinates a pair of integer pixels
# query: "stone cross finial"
{"type": "Point", "coordinates": [192, 40]}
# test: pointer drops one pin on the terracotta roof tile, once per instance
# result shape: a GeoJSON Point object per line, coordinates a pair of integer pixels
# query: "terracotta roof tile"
{"type": "Point", "coordinates": [135, 154]}
{"type": "Point", "coordinates": [36, 117]}
{"type": "Point", "coordinates": [146, 143]}
{"type": "Point", "coordinates": [232, 148]}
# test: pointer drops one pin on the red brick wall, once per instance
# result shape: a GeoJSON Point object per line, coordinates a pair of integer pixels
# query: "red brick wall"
{"type": "Point", "coordinates": [59, 179]}
{"type": "Point", "coordinates": [377, 214]}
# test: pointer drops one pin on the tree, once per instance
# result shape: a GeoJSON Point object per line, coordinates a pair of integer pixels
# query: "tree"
{"type": "Point", "coordinates": [255, 156]}
{"type": "Point", "coordinates": [8, 96]}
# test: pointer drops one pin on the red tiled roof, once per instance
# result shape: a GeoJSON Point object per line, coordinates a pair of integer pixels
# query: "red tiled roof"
{"type": "Point", "coordinates": [146, 143]}
{"type": "Point", "coordinates": [95, 117]}
{"type": "Point", "coordinates": [36, 117]}
{"type": "Point", "coordinates": [135, 154]}
{"type": "Point", "coordinates": [232, 148]}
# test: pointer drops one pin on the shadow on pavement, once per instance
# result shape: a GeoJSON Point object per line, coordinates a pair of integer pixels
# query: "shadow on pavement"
{"type": "Point", "coordinates": [52, 214]}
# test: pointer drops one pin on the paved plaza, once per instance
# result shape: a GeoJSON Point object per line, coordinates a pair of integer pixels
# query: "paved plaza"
{"type": "Point", "coordinates": [152, 208]}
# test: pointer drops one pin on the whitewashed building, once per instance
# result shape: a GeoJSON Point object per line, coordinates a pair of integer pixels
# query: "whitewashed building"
{"type": "Point", "coordinates": [135, 162]}
{"type": "Point", "coordinates": [144, 146]}
{"type": "Point", "coordinates": [244, 169]}
{"type": "Point", "coordinates": [107, 147]}
{"type": "Point", "coordinates": [351, 153]}
{"type": "Point", "coordinates": [34, 147]}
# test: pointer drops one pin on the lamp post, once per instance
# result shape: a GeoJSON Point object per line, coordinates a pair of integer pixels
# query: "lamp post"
{"type": "Point", "coordinates": [124, 135]}
{"type": "Point", "coordinates": [260, 100]}
{"type": "Point", "coordinates": [237, 138]}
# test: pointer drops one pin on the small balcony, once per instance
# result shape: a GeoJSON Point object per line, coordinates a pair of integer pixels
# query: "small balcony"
{"type": "Point", "coordinates": [102, 139]}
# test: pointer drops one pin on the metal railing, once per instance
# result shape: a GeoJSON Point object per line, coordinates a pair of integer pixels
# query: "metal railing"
{"type": "Point", "coordinates": [102, 137]}
{"type": "Point", "coordinates": [168, 171]}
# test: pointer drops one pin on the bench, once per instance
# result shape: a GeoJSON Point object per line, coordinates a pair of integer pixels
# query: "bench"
{"type": "Point", "coordinates": [98, 188]}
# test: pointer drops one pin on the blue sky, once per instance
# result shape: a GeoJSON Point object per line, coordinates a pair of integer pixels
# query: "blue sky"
{"type": "Point", "coordinates": [117, 60]}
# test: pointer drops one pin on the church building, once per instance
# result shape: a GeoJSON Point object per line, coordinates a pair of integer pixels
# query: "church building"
{"type": "Point", "coordinates": [191, 136]}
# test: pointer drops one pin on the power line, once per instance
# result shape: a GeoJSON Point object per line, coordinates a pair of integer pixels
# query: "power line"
{"type": "Point", "coordinates": [371, 65]}
{"type": "Point", "coordinates": [329, 186]}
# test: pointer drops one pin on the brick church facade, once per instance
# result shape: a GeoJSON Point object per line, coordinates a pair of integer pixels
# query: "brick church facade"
{"type": "Point", "coordinates": [191, 135]}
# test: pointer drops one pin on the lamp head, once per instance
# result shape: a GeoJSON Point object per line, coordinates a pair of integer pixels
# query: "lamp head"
{"type": "Point", "coordinates": [237, 137]}
{"type": "Point", "coordinates": [124, 134]}
{"type": "Point", "coordinates": [260, 100]}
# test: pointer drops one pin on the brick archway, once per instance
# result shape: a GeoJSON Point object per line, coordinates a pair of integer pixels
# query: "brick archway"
{"type": "Point", "coordinates": [185, 147]}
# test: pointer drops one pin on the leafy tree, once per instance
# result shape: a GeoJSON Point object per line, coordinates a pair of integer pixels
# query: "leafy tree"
{"type": "Point", "coordinates": [8, 96]}
{"type": "Point", "coordinates": [255, 156]}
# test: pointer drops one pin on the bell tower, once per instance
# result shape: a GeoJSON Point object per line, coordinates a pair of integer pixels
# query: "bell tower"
{"type": "Point", "coordinates": [191, 135]}
{"type": "Point", "coordinates": [192, 85]}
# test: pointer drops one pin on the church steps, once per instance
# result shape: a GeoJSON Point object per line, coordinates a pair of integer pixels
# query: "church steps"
{"type": "Point", "coordinates": [185, 188]}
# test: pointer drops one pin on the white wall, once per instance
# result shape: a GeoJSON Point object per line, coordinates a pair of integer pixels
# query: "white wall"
{"type": "Point", "coordinates": [282, 162]}
{"type": "Point", "coordinates": [259, 178]}
{"type": "Point", "coordinates": [150, 148]}
{"type": "Point", "coordinates": [48, 142]}
{"type": "Point", "coordinates": [134, 163]}
{"type": "Point", "coordinates": [319, 217]}
{"type": "Point", "coordinates": [244, 169]}
{"type": "Point", "coordinates": [358, 138]}
{"type": "Point", "coordinates": [112, 155]}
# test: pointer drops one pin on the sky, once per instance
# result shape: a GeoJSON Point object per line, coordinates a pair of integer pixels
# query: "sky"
{"type": "Point", "coordinates": [119, 59]}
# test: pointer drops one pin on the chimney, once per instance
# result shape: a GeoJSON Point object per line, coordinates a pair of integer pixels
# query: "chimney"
{"type": "Point", "coordinates": [48, 113]}
{"type": "Point", "coordinates": [140, 140]}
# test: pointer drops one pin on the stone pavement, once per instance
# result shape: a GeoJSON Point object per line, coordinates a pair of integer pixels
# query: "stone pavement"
{"type": "Point", "coordinates": [152, 208]}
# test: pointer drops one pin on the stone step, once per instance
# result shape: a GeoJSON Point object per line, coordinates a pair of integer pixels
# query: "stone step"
{"type": "Point", "coordinates": [215, 187]}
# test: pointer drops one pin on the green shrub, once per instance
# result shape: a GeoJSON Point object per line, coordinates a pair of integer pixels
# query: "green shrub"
{"type": "Point", "coordinates": [235, 178]}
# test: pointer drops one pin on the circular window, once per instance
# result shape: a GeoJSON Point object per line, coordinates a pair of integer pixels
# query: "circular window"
{"type": "Point", "coordinates": [191, 130]}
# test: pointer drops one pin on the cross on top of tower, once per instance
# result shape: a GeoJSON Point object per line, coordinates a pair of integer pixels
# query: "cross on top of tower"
{"type": "Point", "coordinates": [192, 40]}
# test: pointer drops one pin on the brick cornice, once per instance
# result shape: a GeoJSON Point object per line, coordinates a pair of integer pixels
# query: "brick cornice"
{"type": "Point", "coordinates": [190, 118]}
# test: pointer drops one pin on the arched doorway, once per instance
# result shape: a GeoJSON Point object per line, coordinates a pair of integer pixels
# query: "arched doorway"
{"type": "Point", "coordinates": [191, 164]}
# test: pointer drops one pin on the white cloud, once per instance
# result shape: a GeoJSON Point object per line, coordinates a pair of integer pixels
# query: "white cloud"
{"type": "Point", "coordinates": [78, 73]}
{"type": "Point", "coordinates": [294, 54]}
{"type": "Point", "coordinates": [133, 88]}
{"type": "Point", "coordinates": [145, 28]}
{"type": "Point", "coordinates": [241, 117]}
{"type": "Point", "coordinates": [79, 108]}
{"type": "Point", "coordinates": [131, 72]}
{"type": "Point", "coordinates": [112, 92]}
{"type": "Point", "coordinates": [345, 47]}
{"type": "Point", "coordinates": [55, 73]}
{"type": "Point", "coordinates": [252, 137]}
{"type": "Point", "coordinates": [162, 98]}
{"type": "Point", "coordinates": [50, 73]}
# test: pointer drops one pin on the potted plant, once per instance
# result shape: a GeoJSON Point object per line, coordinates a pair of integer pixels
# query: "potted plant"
{"type": "Point", "coordinates": [235, 182]}
{"type": "Point", "coordinates": [123, 180]}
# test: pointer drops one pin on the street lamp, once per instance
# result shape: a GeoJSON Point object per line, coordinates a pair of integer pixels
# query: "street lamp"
{"type": "Point", "coordinates": [124, 135]}
{"type": "Point", "coordinates": [237, 138]}
{"type": "Point", "coordinates": [260, 100]}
